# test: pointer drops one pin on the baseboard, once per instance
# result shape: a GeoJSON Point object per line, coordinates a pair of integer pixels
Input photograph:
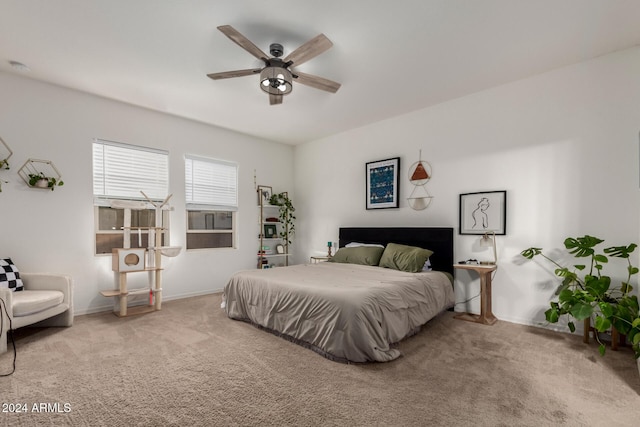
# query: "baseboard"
{"type": "Point", "coordinates": [556, 327]}
{"type": "Point", "coordinates": [101, 309]}
{"type": "Point", "coordinates": [193, 294]}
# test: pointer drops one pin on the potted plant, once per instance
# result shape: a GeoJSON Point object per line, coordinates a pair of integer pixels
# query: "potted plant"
{"type": "Point", "coordinates": [285, 214]}
{"type": "Point", "coordinates": [592, 294]}
{"type": "Point", "coordinates": [41, 181]}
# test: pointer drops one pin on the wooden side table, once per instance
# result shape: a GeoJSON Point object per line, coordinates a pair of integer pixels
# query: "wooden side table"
{"type": "Point", "coordinates": [486, 317]}
{"type": "Point", "coordinates": [317, 259]}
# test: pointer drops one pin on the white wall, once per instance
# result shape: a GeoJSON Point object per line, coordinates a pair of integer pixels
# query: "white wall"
{"type": "Point", "coordinates": [46, 231]}
{"type": "Point", "coordinates": [564, 145]}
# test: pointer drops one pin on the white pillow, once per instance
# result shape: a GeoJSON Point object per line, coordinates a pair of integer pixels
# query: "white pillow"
{"type": "Point", "coordinates": [427, 265]}
{"type": "Point", "coordinates": [356, 244]}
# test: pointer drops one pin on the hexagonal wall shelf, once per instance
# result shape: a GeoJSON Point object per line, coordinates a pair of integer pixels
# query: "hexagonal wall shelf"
{"type": "Point", "coordinates": [45, 168]}
{"type": "Point", "coordinates": [5, 153]}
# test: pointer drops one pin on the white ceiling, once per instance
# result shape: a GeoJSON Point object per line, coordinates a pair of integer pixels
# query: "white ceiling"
{"type": "Point", "coordinates": [392, 57]}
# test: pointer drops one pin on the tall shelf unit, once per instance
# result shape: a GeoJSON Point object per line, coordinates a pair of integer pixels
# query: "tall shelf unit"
{"type": "Point", "coordinates": [272, 251]}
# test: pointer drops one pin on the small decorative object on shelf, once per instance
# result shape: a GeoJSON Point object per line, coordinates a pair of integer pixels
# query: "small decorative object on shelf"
{"type": "Point", "coordinates": [264, 194]}
{"type": "Point", "coordinates": [40, 174]}
{"type": "Point", "coordinates": [270, 231]}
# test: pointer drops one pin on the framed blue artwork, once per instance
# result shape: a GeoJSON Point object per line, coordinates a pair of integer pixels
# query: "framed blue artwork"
{"type": "Point", "coordinates": [383, 186]}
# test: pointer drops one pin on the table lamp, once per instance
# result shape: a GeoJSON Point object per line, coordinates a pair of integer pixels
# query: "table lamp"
{"type": "Point", "coordinates": [489, 241]}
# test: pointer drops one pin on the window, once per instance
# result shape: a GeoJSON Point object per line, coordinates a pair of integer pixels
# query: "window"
{"type": "Point", "coordinates": [110, 223]}
{"type": "Point", "coordinates": [124, 172]}
{"type": "Point", "coordinates": [211, 189]}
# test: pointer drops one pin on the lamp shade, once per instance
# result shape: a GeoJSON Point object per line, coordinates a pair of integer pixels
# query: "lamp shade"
{"type": "Point", "coordinates": [486, 241]}
{"type": "Point", "coordinates": [489, 241]}
{"type": "Point", "coordinates": [276, 80]}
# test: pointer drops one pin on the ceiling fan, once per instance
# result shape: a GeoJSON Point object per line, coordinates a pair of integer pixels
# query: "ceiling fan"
{"type": "Point", "coordinates": [276, 77]}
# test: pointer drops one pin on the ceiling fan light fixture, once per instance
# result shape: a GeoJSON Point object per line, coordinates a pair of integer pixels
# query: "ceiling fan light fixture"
{"type": "Point", "coordinates": [276, 80]}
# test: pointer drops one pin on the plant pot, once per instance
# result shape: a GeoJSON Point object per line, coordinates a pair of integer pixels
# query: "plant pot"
{"type": "Point", "coordinates": [42, 183]}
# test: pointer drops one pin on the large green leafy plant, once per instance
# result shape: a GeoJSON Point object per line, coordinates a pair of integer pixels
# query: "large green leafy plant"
{"type": "Point", "coordinates": [586, 292]}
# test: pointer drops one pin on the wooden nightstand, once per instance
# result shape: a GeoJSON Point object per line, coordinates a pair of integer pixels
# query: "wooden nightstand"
{"type": "Point", "coordinates": [317, 259]}
{"type": "Point", "coordinates": [486, 317]}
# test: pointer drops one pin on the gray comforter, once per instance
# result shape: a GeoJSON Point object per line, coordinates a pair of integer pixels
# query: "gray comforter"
{"type": "Point", "coordinates": [346, 312]}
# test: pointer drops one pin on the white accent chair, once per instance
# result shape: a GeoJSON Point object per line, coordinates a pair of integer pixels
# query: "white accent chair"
{"type": "Point", "coordinates": [47, 300]}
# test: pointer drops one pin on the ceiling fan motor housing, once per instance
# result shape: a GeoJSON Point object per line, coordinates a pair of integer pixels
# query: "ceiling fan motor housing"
{"type": "Point", "coordinates": [276, 49]}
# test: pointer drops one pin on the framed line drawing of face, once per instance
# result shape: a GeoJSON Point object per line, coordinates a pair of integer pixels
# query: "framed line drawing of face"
{"type": "Point", "coordinates": [483, 212]}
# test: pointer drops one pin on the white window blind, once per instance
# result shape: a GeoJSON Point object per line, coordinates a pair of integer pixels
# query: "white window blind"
{"type": "Point", "coordinates": [211, 184]}
{"type": "Point", "coordinates": [121, 171]}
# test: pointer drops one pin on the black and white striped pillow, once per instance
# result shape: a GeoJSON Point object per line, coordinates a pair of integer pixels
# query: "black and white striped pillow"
{"type": "Point", "coordinates": [9, 275]}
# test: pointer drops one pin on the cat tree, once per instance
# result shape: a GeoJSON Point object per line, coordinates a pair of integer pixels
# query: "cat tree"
{"type": "Point", "coordinates": [131, 260]}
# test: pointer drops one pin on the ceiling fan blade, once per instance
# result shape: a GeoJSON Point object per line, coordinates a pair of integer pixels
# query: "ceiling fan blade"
{"type": "Point", "coordinates": [236, 73]}
{"type": "Point", "coordinates": [310, 49]}
{"type": "Point", "coordinates": [243, 42]}
{"type": "Point", "coordinates": [275, 99]}
{"type": "Point", "coordinates": [316, 82]}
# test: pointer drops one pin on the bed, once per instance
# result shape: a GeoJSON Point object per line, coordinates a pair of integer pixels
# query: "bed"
{"type": "Point", "coordinates": [351, 311]}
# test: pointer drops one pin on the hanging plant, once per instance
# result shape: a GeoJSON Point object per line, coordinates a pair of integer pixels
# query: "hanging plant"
{"type": "Point", "coordinates": [286, 215]}
{"type": "Point", "coordinates": [41, 181]}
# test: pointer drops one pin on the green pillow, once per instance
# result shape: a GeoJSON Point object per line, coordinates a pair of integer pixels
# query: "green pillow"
{"type": "Point", "coordinates": [404, 258]}
{"type": "Point", "coordinates": [364, 255]}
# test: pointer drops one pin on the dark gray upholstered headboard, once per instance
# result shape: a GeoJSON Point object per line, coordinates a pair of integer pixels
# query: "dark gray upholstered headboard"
{"type": "Point", "coordinates": [437, 239]}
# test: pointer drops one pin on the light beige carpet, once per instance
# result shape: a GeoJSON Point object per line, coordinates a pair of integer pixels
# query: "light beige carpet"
{"type": "Point", "coordinates": [189, 365]}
